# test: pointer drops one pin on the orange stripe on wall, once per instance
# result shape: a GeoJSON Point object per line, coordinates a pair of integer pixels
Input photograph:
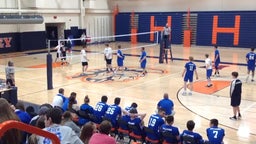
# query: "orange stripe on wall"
{"type": "Point", "coordinates": [235, 30]}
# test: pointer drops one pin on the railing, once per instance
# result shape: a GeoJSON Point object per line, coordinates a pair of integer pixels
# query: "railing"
{"type": "Point", "coordinates": [12, 124]}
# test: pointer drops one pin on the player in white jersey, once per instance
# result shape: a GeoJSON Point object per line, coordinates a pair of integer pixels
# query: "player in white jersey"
{"type": "Point", "coordinates": [58, 48]}
{"type": "Point", "coordinates": [208, 66]}
{"type": "Point", "coordinates": [84, 60]}
{"type": "Point", "coordinates": [108, 55]}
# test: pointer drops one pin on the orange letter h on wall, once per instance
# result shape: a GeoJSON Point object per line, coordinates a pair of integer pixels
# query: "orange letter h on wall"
{"type": "Point", "coordinates": [234, 30]}
{"type": "Point", "coordinates": [154, 28]}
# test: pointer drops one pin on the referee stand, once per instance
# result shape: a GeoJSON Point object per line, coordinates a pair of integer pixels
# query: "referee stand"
{"type": "Point", "coordinates": [165, 48]}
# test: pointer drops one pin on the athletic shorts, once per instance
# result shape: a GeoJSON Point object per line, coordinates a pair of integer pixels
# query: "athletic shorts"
{"type": "Point", "coordinates": [108, 61]}
{"type": "Point", "coordinates": [188, 79]}
{"type": "Point", "coordinates": [235, 101]}
{"type": "Point", "coordinates": [84, 63]}
{"type": "Point", "coordinates": [208, 73]}
{"type": "Point", "coordinates": [216, 64]}
{"type": "Point", "coordinates": [120, 63]}
{"type": "Point", "coordinates": [58, 55]}
{"type": "Point", "coordinates": [143, 65]}
{"type": "Point", "coordinates": [251, 68]}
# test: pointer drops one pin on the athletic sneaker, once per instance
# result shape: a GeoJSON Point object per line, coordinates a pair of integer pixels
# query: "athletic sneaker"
{"type": "Point", "coordinates": [184, 93]}
{"type": "Point", "coordinates": [233, 118]}
{"type": "Point", "coordinates": [209, 85]}
{"type": "Point", "coordinates": [252, 80]}
{"type": "Point", "coordinates": [190, 93]}
{"type": "Point", "coordinates": [239, 116]}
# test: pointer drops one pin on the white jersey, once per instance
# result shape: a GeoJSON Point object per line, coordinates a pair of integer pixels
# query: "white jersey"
{"type": "Point", "coordinates": [108, 53]}
{"type": "Point", "coordinates": [167, 30]}
{"type": "Point", "coordinates": [58, 47]}
{"type": "Point", "coordinates": [208, 63]}
{"type": "Point", "coordinates": [65, 134]}
{"type": "Point", "coordinates": [83, 56]}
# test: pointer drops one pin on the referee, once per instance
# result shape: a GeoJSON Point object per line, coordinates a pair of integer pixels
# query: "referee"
{"type": "Point", "coordinates": [166, 35]}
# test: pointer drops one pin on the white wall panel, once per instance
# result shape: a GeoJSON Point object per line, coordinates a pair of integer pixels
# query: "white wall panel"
{"type": "Point", "coordinates": [49, 4]}
{"type": "Point", "coordinates": [183, 5]}
{"type": "Point", "coordinates": [8, 28]}
{"type": "Point", "coordinates": [8, 4]}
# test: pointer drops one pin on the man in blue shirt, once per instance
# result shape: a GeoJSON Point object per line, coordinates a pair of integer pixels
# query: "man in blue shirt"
{"type": "Point", "coordinates": [251, 60]}
{"type": "Point", "coordinates": [216, 61]}
{"type": "Point", "coordinates": [154, 123]}
{"type": "Point", "coordinates": [188, 136]}
{"type": "Point", "coordinates": [133, 106]}
{"type": "Point", "coordinates": [214, 133]}
{"type": "Point", "coordinates": [166, 104]}
{"type": "Point", "coordinates": [120, 60]}
{"type": "Point", "coordinates": [190, 69]}
{"type": "Point", "coordinates": [137, 120]}
{"type": "Point", "coordinates": [100, 109]}
{"type": "Point", "coordinates": [114, 112]}
{"type": "Point", "coordinates": [171, 129]}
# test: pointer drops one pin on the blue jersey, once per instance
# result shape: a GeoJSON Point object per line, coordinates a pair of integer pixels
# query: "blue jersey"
{"type": "Point", "coordinates": [251, 60]}
{"type": "Point", "coordinates": [100, 110]}
{"type": "Point", "coordinates": [154, 123]}
{"type": "Point", "coordinates": [167, 105]}
{"type": "Point", "coordinates": [125, 118]}
{"type": "Point", "coordinates": [112, 113]}
{"type": "Point", "coordinates": [120, 59]}
{"type": "Point", "coordinates": [143, 54]}
{"type": "Point", "coordinates": [197, 137]}
{"type": "Point", "coordinates": [136, 122]}
{"type": "Point", "coordinates": [88, 110]}
{"type": "Point", "coordinates": [173, 130]}
{"type": "Point", "coordinates": [217, 53]}
{"type": "Point", "coordinates": [190, 68]}
{"type": "Point", "coordinates": [215, 135]}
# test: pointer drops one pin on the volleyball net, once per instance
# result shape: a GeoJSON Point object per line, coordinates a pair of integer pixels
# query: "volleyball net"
{"type": "Point", "coordinates": [130, 43]}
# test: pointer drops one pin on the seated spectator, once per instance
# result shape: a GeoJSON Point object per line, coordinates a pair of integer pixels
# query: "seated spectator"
{"type": "Point", "coordinates": [85, 111]}
{"type": "Point", "coordinates": [87, 131]}
{"type": "Point", "coordinates": [20, 111]}
{"type": "Point", "coordinates": [103, 136]}
{"type": "Point", "coordinates": [31, 111]}
{"type": "Point", "coordinates": [59, 99]}
{"type": "Point", "coordinates": [100, 109]}
{"type": "Point", "coordinates": [114, 112]}
{"type": "Point", "coordinates": [12, 136]}
{"type": "Point", "coordinates": [166, 104]}
{"type": "Point", "coordinates": [137, 120]}
{"type": "Point", "coordinates": [214, 133]}
{"type": "Point", "coordinates": [64, 133]}
{"type": "Point", "coordinates": [67, 121]}
{"type": "Point", "coordinates": [190, 135]}
{"type": "Point", "coordinates": [155, 122]}
{"type": "Point", "coordinates": [133, 106]}
{"type": "Point", "coordinates": [71, 103]}
{"type": "Point", "coordinates": [32, 139]}
{"type": "Point", "coordinates": [174, 131]}
{"type": "Point", "coordinates": [42, 111]}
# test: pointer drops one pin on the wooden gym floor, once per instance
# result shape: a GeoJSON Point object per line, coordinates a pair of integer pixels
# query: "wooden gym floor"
{"type": "Point", "coordinates": [204, 104]}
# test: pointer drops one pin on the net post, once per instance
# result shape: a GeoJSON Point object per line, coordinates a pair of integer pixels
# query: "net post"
{"type": "Point", "coordinates": [49, 67]}
{"type": "Point", "coordinates": [161, 52]}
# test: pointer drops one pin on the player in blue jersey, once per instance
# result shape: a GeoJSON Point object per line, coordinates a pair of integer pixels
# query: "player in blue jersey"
{"type": "Point", "coordinates": [143, 61]}
{"type": "Point", "coordinates": [155, 122]}
{"type": "Point", "coordinates": [85, 111]}
{"type": "Point", "coordinates": [251, 60]}
{"type": "Point", "coordinates": [100, 109]}
{"type": "Point", "coordinates": [133, 106]}
{"type": "Point", "coordinates": [168, 127]}
{"type": "Point", "coordinates": [137, 120]}
{"type": "Point", "coordinates": [216, 61]}
{"type": "Point", "coordinates": [114, 112]}
{"type": "Point", "coordinates": [166, 104]}
{"type": "Point", "coordinates": [190, 69]}
{"type": "Point", "coordinates": [188, 135]}
{"type": "Point", "coordinates": [120, 60]}
{"type": "Point", "coordinates": [214, 133]}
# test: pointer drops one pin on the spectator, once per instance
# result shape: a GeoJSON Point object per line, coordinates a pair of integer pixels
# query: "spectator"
{"type": "Point", "coordinates": [12, 136]}
{"type": "Point", "coordinates": [100, 109]}
{"type": "Point", "coordinates": [20, 111]}
{"type": "Point", "coordinates": [67, 121]}
{"type": "Point", "coordinates": [9, 72]}
{"type": "Point", "coordinates": [197, 138]}
{"type": "Point", "coordinates": [64, 133]}
{"type": "Point", "coordinates": [214, 133]}
{"type": "Point", "coordinates": [166, 104]}
{"type": "Point", "coordinates": [85, 111]}
{"type": "Point", "coordinates": [103, 136]}
{"type": "Point", "coordinates": [155, 122]}
{"type": "Point", "coordinates": [172, 129]}
{"type": "Point", "coordinates": [31, 111]}
{"type": "Point", "coordinates": [87, 131]}
{"type": "Point", "coordinates": [42, 111]}
{"type": "Point", "coordinates": [59, 99]}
